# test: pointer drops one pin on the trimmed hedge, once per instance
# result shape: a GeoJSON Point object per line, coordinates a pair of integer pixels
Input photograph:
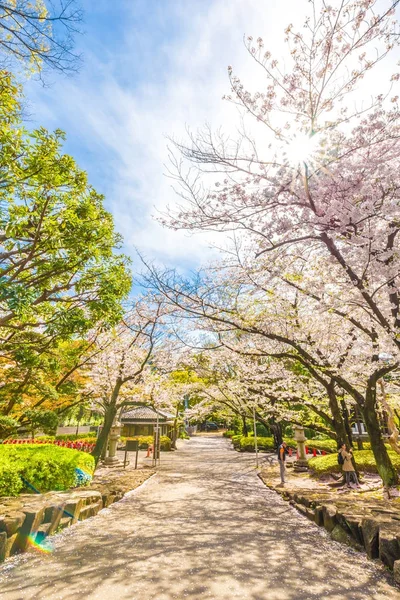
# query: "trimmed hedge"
{"type": "Point", "coordinates": [229, 433]}
{"type": "Point", "coordinates": [365, 461]}
{"type": "Point", "coordinates": [147, 440]}
{"type": "Point", "coordinates": [322, 445]}
{"type": "Point", "coordinates": [46, 467]}
{"type": "Point", "coordinates": [71, 437]}
{"type": "Point", "coordinates": [247, 444]}
{"type": "Point", "coordinates": [68, 437]}
{"type": "Point", "coordinates": [10, 481]}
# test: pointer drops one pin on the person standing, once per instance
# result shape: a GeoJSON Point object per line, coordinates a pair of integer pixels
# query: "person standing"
{"type": "Point", "coordinates": [348, 468]}
{"type": "Point", "coordinates": [282, 451]}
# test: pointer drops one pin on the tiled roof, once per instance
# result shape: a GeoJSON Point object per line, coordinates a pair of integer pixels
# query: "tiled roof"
{"type": "Point", "coordinates": [145, 413]}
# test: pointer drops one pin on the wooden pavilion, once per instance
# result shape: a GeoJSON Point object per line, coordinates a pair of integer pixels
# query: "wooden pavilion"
{"type": "Point", "coordinates": [141, 420]}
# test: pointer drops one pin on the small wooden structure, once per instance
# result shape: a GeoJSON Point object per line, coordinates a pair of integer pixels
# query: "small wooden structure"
{"type": "Point", "coordinates": [141, 420]}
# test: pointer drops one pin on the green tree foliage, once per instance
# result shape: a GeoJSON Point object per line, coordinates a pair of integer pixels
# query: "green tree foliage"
{"type": "Point", "coordinates": [8, 426]}
{"type": "Point", "coordinates": [46, 420]}
{"type": "Point", "coordinates": [60, 271]}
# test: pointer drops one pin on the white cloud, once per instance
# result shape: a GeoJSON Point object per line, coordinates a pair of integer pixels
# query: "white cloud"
{"type": "Point", "coordinates": [123, 127]}
{"type": "Point", "coordinates": [121, 123]}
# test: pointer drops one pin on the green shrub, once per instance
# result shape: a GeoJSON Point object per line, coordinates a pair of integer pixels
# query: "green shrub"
{"type": "Point", "coordinates": [45, 467]}
{"type": "Point", "coordinates": [327, 445]}
{"type": "Point", "coordinates": [147, 440]}
{"type": "Point", "coordinates": [72, 437]}
{"type": "Point", "coordinates": [236, 440]}
{"type": "Point", "coordinates": [165, 443]}
{"type": "Point", "coordinates": [10, 480]}
{"type": "Point", "coordinates": [45, 438]}
{"type": "Point", "coordinates": [8, 426]}
{"type": "Point", "coordinates": [184, 436]}
{"type": "Point", "coordinates": [365, 461]}
{"type": "Point", "coordinates": [262, 431]}
{"type": "Point", "coordinates": [247, 444]}
{"type": "Point", "coordinates": [367, 445]}
{"type": "Point", "coordinates": [229, 433]}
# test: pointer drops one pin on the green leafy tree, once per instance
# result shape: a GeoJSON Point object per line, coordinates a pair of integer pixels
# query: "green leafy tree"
{"type": "Point", "coordinates": [8, 426]}
{"type": "Point", "coordinates": [59, 273]}
{"type": "Point", "coordinates": [46, 420]}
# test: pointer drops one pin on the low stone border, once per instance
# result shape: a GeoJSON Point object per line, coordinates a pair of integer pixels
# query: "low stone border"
{"type": "Point", "coordinates": [363, 523]}
{"type": "Point", "coordinates": [27, 520]}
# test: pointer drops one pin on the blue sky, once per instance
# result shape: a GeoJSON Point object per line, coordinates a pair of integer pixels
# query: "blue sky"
{"type": "Point", "coordinates": [150, 68]}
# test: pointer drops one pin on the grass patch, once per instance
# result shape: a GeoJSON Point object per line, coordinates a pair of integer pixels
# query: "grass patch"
{"type": "Point", "coordinates": [365, 461]}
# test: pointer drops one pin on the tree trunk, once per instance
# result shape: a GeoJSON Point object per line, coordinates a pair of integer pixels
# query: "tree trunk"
{"type": "Point", "coordinates": [359, 440]}
{"type": "Point", "coordinates": [383, 462]}
{"type": "Point", "coordinates": [346, 420]}
{"type": "Point", "coordinates": [245, 430]}
{"type": "Point", "coordinates": [109, 417]}
{"type": "Point", "coordinates": [175, 429]}
{"type": "Point", "coordinates": [391, 425]}
{"type": "Point", "coordinates": [337, 418]}
{"type": "Point", "coordinates": [276, 429]}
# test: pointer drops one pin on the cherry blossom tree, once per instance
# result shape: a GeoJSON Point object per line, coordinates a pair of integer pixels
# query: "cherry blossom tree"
{"type": "Point", "coordinates": [265, 321]}
{"type": "Point", "coordinates": [246, 386]}
{"type": "Point", "coordinates": [312, 178]}
{"type": "Point", "coordinates": [118, 370]}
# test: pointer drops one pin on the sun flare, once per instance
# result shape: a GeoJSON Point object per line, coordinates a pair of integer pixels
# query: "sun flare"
{"type": "Point", "coordinates": [301, 148]}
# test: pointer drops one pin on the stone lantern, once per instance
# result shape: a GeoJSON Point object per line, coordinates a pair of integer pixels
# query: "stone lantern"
{"type": "Point", "coordinates": [301, 463]}
{"type": "Point", "coordinates": [115, 433]}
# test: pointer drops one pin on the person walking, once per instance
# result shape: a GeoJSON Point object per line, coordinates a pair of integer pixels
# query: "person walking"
{"type": "Point", "coordinates": [348, 468]}
{"type": "Point", "coordinates": [282, 451]}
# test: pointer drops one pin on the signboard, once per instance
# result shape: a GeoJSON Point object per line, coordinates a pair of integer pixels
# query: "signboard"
{"type": "Point", "coordinates": [131, 446]}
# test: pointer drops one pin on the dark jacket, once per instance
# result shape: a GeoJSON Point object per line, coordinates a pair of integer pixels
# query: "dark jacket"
{"type": "Point", "coordinates": [284, 453]}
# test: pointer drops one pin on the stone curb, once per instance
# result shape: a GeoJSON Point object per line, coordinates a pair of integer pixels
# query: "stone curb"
{"type": "Point", "coordinates": [27, 520]}
{"type": "Point", "coordinates": [372, 526]}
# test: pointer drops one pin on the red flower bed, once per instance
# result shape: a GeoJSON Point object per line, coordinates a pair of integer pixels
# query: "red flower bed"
{"type": "Point", "coordinates": [77, 445]}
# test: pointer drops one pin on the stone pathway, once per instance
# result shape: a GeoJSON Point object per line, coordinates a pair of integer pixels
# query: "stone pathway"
{"type": "Point", "coordinates": [204, 527]}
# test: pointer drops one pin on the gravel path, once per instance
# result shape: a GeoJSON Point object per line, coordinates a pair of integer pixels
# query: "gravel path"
{"type": "Point", "coordinates": [204, 527]}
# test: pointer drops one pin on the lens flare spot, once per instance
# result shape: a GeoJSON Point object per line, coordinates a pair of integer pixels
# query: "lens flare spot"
{"type": "Point", "coordinates": [44, 546]}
